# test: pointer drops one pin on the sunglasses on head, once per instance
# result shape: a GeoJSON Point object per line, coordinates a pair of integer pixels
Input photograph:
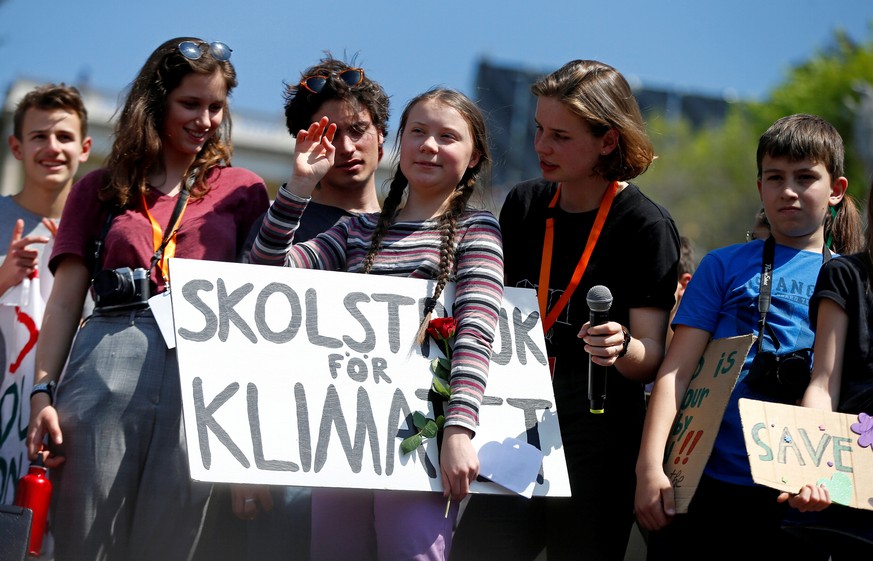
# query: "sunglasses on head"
{"type": "Point", "coordinates": [352, 77]}
{"type": "Point", "coordinates": [193, 50]}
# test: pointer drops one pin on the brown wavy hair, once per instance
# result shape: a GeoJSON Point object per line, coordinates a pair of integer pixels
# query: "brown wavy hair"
{"type": "Point", "coordinates": [47, 98]}
{"type": "Point", "coordinates": [301, 104]}
{"type": "Point", "coordinates": [137, 148]}
{"type": "Point", "coordinates": [601, 97]}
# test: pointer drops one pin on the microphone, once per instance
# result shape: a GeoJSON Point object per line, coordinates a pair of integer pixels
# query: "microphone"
{"type": "Point", "coordinates": [599, 301]}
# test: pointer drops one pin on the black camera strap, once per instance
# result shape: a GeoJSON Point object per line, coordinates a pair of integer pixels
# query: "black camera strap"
{"type": "Point", "coordinates": [111, 213]}
{"type": "Point", "coordinates": [114, 210]}
{"type": "Point", "coordinates": [173, 225]}
{"type": "Point", "coordinates": [764, 296]}
{"type": "Point", "coordinates": [766, 287]}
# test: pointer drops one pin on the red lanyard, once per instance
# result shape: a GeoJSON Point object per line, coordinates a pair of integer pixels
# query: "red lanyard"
{"type": "Point", "coordinates": [165, 247]}
{"type": "Point", "coordinates": [546, 265]}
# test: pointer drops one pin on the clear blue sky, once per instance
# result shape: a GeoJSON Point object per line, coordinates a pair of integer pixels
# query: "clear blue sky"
{"type": "Point", "coordinates": [701, 46]}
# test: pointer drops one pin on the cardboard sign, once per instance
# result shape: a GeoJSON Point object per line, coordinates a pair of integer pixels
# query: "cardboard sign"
{"type": "Point", "coordinates": [310, 378]}
{"type": "Point", "coordinates": [700, 412]}
{"type": "Point", "coordinates": [793, 446]}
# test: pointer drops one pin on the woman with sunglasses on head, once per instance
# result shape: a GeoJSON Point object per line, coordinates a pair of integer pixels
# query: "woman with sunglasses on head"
{"type": "Point", "coordinates": [122, 489]}
{"type": "Point", "coordinates": [425, 230]}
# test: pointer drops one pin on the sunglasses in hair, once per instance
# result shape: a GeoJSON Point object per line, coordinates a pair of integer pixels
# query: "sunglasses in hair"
{"type": "Point", "coordinates": [193, 50]}
{"type": "Point", "coordinates": [352, 77]}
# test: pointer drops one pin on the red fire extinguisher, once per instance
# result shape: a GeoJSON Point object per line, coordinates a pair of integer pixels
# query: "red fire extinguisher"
{"type": "Point", "coordinates": [34, 492]}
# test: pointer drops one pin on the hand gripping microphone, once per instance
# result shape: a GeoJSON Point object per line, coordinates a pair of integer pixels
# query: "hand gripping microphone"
{"type": "Point", "coordinates": [599, 301]}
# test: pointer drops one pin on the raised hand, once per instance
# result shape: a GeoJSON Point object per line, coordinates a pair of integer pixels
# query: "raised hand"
{"type": "Point", "coordinates": [20, 262]}
{"type": "Point", "coordinates": [313, 156]}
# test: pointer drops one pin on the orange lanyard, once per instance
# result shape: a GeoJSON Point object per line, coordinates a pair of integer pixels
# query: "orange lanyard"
{"type": "Point", "coordinates": [546, 265]}
{"type": "Point", "coordinates": [165, 247]}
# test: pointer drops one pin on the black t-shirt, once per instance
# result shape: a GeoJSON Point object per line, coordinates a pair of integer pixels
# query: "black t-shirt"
{"type": "Point", "coordinates": [846, 281]}
{"type": "Point", "coordinates": [635, 257]}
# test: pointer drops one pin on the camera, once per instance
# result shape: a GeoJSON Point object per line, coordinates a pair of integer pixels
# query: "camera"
{"type": "Point", "coordinates": [784, 377]}
{"type": "Point", "coordinates": [121, 288]}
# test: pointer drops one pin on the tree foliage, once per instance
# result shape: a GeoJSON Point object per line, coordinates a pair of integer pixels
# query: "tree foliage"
{"type": "Point", "coordinates": [831, 84]}
{"type": "Point", "coordinates": [706, 177]}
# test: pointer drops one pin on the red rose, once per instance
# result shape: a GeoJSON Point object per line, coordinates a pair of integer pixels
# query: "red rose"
{"type": "Point", "coordinates": [442, 329]}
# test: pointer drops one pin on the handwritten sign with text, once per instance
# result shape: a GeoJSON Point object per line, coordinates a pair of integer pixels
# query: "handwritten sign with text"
{"type": "Point", "coordinates": [300, 377]}
{"type": "Point", "coordinates": [793, 446]}
{"type": "Point", "coordinates": [700, 413]}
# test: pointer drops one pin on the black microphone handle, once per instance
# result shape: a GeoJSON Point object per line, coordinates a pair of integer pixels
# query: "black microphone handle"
{"type": "Point", "coordinates": [596, 372]}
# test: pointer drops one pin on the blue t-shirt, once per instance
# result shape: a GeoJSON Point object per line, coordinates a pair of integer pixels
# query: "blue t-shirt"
{"type": "Point", "coordinates": [722, 298]}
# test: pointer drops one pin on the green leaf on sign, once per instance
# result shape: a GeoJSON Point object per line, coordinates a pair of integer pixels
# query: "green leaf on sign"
{"type": "Point", "coordinates": [410, 443]}
{"type": "Point", "coordinates": [419, 420]}
{"type": "Point", "coordinates": [441, 387]}
{"type": "Point", "coordinates": [445, 366]}
{"type": "Point", "coordinates": [429, 430]}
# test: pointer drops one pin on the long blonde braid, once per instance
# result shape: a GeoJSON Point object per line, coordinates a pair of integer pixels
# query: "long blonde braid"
{"type": "Point", "coordinates": [457, 204]}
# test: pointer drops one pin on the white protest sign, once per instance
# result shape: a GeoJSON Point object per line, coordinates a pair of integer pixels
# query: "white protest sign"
{"type": "Point", "coordinates": [21, 311]}
{"type": "Point", "coordinates": [299, 377]}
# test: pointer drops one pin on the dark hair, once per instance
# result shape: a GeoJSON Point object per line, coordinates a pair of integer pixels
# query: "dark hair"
{"type": "Point", "coordinates": [49, 97]}
{"type": "Point", "coordinates": [301, 104]}
{"type": "Point", "coordinates": [601, 97]}
{"type": "Point", "coordinates": [457, 202]}
{"type": "Point", "coordinates": [687, 259]}
{"type": "Point", "coordinates": [843, 227]}
{"type": "Point", "coordinates": [136, 151]}
{"type": "Point", "coordinates": [801, 137]}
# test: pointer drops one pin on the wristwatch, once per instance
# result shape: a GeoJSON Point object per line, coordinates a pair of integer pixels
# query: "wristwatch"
{"type": "Point", "coordinates": [48, 388]}
{"type": "Point", "coordinates": [625, 343]}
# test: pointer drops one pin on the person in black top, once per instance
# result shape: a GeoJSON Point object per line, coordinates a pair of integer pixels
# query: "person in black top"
{"type": "Point", "coordinates": [841, 314]}
{"type": "Point", "coordinates": [591, 141]}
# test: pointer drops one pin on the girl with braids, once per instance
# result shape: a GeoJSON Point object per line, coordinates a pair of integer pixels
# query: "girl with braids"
{"type": "Point", "coordinates": [425, 230]}
{"type": "Point", "coordinates": [114, 425]}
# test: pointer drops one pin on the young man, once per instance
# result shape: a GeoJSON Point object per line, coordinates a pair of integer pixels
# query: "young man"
{"type": "Point", "coordinates": [359, 107]}
{"type": "Point", "coordinates": [279, 517]}
{"type": "Point", "coordinates": [50, 139]}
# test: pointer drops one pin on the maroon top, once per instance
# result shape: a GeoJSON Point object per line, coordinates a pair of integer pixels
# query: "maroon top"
{"type": "Point", "coordinates": [213, 227]}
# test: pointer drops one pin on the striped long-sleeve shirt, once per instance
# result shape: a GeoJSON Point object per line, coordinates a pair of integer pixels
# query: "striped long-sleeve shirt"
{"type": "Point", "coordinates": [409, 249]}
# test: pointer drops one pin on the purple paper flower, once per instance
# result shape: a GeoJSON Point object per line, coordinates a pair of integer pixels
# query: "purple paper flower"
{"type": "Point", "coordinates": [864, 427]}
